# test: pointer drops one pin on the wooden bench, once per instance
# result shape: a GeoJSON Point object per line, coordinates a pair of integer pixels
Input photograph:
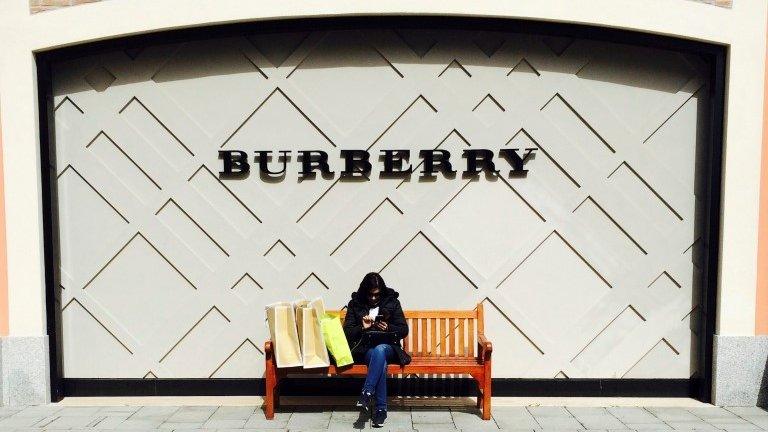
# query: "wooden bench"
{"type": "Point", "coordinates": [439, 341]}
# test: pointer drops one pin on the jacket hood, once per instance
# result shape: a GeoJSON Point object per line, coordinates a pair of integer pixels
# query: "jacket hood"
{"type": "Point", "coordinates": [387, 294]}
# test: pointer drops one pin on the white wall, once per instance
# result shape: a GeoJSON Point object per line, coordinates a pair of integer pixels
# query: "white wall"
{"type": "Point", "coordinates": [742, 28]}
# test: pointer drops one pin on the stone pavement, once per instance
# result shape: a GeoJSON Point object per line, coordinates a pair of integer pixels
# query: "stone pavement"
{"type": "Point", "coordinates": [401, 418]}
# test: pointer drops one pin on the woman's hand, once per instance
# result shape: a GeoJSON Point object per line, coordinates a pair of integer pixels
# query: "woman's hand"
{"type": "Point", "coordinates": [367, 322]}
{"type": "Point", "coordinates": [381, 325]}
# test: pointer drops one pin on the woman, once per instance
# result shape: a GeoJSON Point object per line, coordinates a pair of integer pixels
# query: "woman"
{"type": "Point", "coordinates": [373, 298]}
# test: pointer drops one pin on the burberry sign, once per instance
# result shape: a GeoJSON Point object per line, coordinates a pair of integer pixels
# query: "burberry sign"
{"type": "Point", "coordinates": [392, 163]}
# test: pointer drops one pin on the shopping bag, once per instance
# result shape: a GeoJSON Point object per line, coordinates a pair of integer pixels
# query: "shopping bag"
{"type": "Point", "coordinates": [335, 339]}
{"type": "Point", "coordinates": [314, 354]}
{"type": "Point", "coordinates": [281, 319]}
{"type": "Point", "coordinates": [319, 306]}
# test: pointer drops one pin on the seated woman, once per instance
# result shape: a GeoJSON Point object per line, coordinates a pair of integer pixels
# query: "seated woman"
{"type": "Point", "coordinates": [374, 299]}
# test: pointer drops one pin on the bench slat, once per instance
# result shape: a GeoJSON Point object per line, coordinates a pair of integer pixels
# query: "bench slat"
{"type": "Point", "coordinates": [407, 339]}
{"type": "Point", "coordinates": [471, 347]}
{"type": "Point", "coordinates": [452, 336]}
{"type": "Point", "coordinates": [415, 340]}
{"type": "Point", "coordinates": [462, 348]}
{"type": "Point", "coordinates": [433, 333]}
{"type": "Point", "coordinates": [423, 349]}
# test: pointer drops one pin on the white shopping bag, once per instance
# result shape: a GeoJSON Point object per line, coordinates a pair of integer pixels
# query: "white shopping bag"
{"type": "Point", "coordinates": [314, 354]}
{"type": "Point", "coordinates": [319, 307]}
{"type": "Point", "coordinates": [281, 319]}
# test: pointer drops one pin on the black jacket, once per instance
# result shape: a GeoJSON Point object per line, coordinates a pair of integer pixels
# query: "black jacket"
{"type": "Point", "coordinates": [389, 306]}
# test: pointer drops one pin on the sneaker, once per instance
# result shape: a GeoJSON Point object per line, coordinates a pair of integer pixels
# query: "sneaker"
{"type": "Point", "coordinates": [378, 418]}
{"type": "Point", "coordinates": [364, 402]}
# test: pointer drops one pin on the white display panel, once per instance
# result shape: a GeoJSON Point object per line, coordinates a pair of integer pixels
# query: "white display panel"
{"type": "Point", "coordinates": [588, 266]}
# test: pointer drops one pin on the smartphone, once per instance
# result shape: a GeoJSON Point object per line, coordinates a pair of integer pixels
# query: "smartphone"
{"type": "Point", "coordinates": [378, 318]}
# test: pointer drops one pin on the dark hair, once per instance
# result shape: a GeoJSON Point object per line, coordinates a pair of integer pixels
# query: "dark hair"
{"type": "Point", "coordinates": [370, 281]}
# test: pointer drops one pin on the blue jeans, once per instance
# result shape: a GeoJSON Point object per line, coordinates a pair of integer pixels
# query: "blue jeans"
{"type": "Point", "coordinates": [376, 380]}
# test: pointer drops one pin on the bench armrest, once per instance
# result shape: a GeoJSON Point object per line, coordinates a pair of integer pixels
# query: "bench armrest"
{"type": "Point", "coordinates": [484, 348]}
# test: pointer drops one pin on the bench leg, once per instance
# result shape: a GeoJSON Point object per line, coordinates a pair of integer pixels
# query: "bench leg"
{"type": "Point", "coordinates": [271, 387]}
{"type": "Point", "coordinates": [480, 380]}
{"type": "Point", "coordinates": [276, 392]}
{"type": "Point", "coordinates": [487, 391]}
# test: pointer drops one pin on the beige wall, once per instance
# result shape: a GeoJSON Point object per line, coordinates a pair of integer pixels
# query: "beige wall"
{"type": "Point", "coordinates": [742, 28]}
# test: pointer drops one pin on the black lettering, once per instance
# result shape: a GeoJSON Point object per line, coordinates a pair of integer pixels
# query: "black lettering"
{"type": "Point", "coordinates": [516, 161]}
{"type": "Point", "coordinates": [479, 160]}
{"type": "Point", "coordinates": [436, 160]}
{"type": "Point", "coordinates": [263, 157]}
{"type": "Point", "coordinates": [393, 163]}
{"type": "Point", "coordinates": [312, 160]}
{"type": "Point", "coordinates": [356, 164]}
{"type": "Point", "coordinates": [235, 163]}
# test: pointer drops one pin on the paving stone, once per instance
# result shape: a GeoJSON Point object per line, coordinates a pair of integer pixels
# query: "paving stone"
{"type": "Point", "coordinates": [518, 411]}
{"type": "Point", "coordinates": [195, 414]}
{"type": "Point", "coordinates": [111, 421]}
{"type": "Point", "coordinates": [669, 414]}
{"type": "Point", "coordinates": [514, 418]}
{"type": "Point", "coordinates": [138, 424]}
{"type": "Point", "coordinates": [691, 425]}
{"type": "Point", "coordinates": [234, 412]}
{"type": "Point", "coordinates": [180, 425]}
{"type": "Point", "coordinates": [596, 418]}
{"type": "Point", "coordinates": [309, 420]}
{"type": "Point", "coordinates": [760, 421]}
{"type": "Point", "coordinates": [746, 426]}
{"type": "Point", "coordinates": [734, 419]}
{"type": "Point", "coordinates": [470, 419]}
{"type": "Point", "coordinates": [748, 411]}
{"type": "Point", "coordinates": [559, 423]}
{"type": "Point", "coordinates": [14, 421]}
{"type": "Point", "coordinates": [349, 420]}
{"type": "Point", "coordinates": [154, 413]}
{"type": "Point", "coordinates": [224, 424]}
{"type": "Point", "coordinates": [431, 416]}
{"type": "Point", "coordinates": [607, 422]}
{"type": "Point", "coordinates": [37, 411]}
{"type": "Point", "coordinates": [711, 412]}
{"type": "Point", "coordinates": [350, 427]}
{"type": "Point", "coordinates": [399, 418]}
{"type": "Point", "coordinates": [560, 430]}
{"type": "Point", "coordinates": [434, 427]}
{"type": "Point", "coordinates": [660, 426]}
{"type": "Point", "coordinates": [258, 421]}
{"type": "Point", "coordinates": [634, 415]}
{"type": "Point", "coordinates": [208, 430]}
{"type": "Point", "coordinates": [233, 430]}
{"type": "Point", "coordinates": [78, 411]}
{"type": "Point", "coordinates": [586, 411]}
{"type": "Point", "coordinates": [728, 420]}
{"type": "Point", "coordinates": [119, 409]}
{"type": "Point", "coordinates": [548, 411]}
{"type": "Point", "coordinates": [71, 422]}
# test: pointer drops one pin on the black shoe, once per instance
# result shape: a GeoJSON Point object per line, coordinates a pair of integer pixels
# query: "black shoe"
{"type": "Point", "coordinates": [364, 402]}
{"type": "Point", "coordinates": [379, 417]}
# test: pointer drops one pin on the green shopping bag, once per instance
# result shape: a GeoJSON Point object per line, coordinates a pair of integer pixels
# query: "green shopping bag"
{"type": "Point", "coordinates": [335, 340]}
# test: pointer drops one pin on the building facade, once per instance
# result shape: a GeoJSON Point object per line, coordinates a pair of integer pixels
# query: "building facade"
{"type": "Point", "coordinates": [592, 175]}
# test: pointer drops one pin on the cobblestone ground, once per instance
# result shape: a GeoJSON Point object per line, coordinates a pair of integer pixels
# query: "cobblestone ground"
{"type": "Point", "coordinates": [239, 418]}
